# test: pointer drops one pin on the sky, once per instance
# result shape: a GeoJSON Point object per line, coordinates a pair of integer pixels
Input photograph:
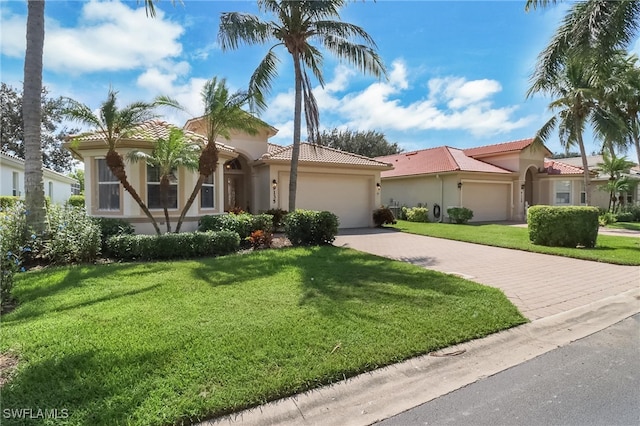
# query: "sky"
{"type": "Point", "coordinates": [458, 71]}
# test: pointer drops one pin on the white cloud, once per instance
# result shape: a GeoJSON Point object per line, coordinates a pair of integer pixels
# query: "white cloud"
{"type": "Point", "coordinates": [109, 36]}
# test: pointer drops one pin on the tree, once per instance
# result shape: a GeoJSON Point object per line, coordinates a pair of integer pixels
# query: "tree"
{"type": "Point", "coordinates": [53, 132]}
{"type": "Point", "coordinates": [78, 175]}
{"type": "Point", "coordinates": [576, 88]}
{"type": "Point", "coordinates": [625, 99]}
{"type": "Point", "coordinates": [113, 124]}
{"type": "Point", "coordinates": [222, 113]}
{"type": "Point", "coordinates": [596, 27]}
{"type": "Point", "coordinates": [167, 156]}
{"type": "Point", "coordinates": [297, 24]}
{"type": "Point", "coordinates": [617, 184]}
{"type": "Point", "coordinates": [369, 143]}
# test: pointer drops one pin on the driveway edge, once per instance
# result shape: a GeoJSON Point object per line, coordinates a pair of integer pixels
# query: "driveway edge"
{"type": "Point", "coordinates": [382, 393]}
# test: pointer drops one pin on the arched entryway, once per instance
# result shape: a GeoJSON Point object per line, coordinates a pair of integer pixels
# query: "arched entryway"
{"type": "Point", "coordinates": [528, 187]}
{"type": "Point", "coordinates": [237, 185]}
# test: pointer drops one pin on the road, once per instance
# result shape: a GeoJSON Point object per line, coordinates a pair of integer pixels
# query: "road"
{"type": "Point", "coordinates": [592, 381]}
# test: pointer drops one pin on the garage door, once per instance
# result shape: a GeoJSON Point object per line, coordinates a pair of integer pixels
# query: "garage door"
{"type": "Point", "coordinates": [347, 196]}
{"type": "Point", "coordinates": [489, 201]}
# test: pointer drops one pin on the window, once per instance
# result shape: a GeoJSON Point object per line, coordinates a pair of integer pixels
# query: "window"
{"type": "Point", "coordinates": [50, 190]}
{"type": "Point", "coordinates": [583, 194]}
{"type": "Point", "coordinates": [16, 184]}
{"type": "Point", "coordinates": [207, 194]}
{"type": "Point", "coordinates": [153, 189]}
{"type": "Point", "coordinates": [563, 192]}
{"type": "Point", "coordinates": [108, 187]}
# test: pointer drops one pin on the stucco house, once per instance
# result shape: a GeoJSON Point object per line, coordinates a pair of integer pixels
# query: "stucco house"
{"type": "Point", "coordinates": [57, 186]}
{"type": "Point", "coordinates": [497, 181]}
{"type": "Point", "coordinates": [252, 174]}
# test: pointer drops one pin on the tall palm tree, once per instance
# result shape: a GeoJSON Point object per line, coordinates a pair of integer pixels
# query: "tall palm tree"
{"type": "Point", "coordinates": [114, 124]}
{"type": "Point", "coordinates": [31, 116]}
{"type": "Point", "coordinates": [296, 26]}
{"type": "Point", "coordinates": [222, 113]}
{"type": "Point", "coordinates": [167, 156]}
{"type": "Point", "coordinates": [600, 26]}
{"type": "Point", "coordinates": [627, 98]}
{"type": "Point", "coordinates": [615, 166]}
{"type": "Point", "coordinates": [576, 88]}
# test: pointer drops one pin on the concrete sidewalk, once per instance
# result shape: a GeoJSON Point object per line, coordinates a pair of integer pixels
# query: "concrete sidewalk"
{"type": "Point", "coordinates": [566, 299]}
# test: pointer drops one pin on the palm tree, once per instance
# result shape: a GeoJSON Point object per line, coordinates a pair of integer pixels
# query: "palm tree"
{"type": "Point", "coordinates": [167, 156]}
{"type": "Point", "coordinates": [222, 113]}
{"type": "Point", "coordinates": [600, 26]}
{"type": "Point", "coordinates": [615, 166]}
{"type": "Point", "coordinates": [576, 88]}
{"type": "Point", "coordinates": [628, 98]}
{"type": "Point", "coordinates": [113, 124]}
{"type": "Point", "coordinates": [31, 116]}
{"type": "Point", "coordinates": [296, 26]}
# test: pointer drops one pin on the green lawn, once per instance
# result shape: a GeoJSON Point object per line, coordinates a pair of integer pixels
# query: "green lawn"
{"type": "Point", "coordinates": [171, 342]}
{"type": "Point", "coordinates": [632, 226]}
{"type": "Point", "coordinates": [609, 249]}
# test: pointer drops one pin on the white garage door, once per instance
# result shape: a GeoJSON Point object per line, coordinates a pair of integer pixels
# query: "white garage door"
{"type": "Point", "coordinates": [347, 196]}
{"type": "Point", "coordinates": [489, 201]}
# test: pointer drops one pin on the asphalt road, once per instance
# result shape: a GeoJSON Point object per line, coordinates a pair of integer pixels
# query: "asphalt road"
{"type": "Point", "coordinates": [592, 381]}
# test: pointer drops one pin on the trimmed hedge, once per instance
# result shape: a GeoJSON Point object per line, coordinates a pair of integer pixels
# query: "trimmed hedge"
{"type": "Point", "coordinates": [311, 228]}
{"type": "Point", "coordinates": [244, 224]}
{"type": "Point", "coordinates": [383, 216]}
{"type": "Point", "coordinates": [416, 214]}
{"type": "Point", "coordinates": [76, 201]}
{"type": "Point", "coordinates": [111, 226]}
{"type": "Point", "coordinates": [460, 214]}
{"type": "Point", "coordinates": [563, 226]}
{"type": "Point", "coordinates": [173, 246]}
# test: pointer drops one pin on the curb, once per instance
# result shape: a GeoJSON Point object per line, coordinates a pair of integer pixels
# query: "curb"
{"type": "Point", "coordinates": [377, 395]}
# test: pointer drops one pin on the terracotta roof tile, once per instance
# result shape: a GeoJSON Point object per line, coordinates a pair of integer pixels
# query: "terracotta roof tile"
{"type": "Point", "coordinates": [499, 148]}
{"type": "Point", "coordinates": [321, 154]}
{"type": "Point", "coordinates": [435, 160]}
{"type": "Point", "coordinates": [553, 167]}
{"type": "Point", "coordinates": [150, 131]}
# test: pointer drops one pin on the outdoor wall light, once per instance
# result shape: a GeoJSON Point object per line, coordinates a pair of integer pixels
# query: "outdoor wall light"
{"type": "Point", "coordinates": [522, 186]}
{"type": "Point", "coordinates": [378, 187]}
{"type": "Point", "coordinates": [459, 185]}
{"type": "Point", "coordinates": [274, 185]}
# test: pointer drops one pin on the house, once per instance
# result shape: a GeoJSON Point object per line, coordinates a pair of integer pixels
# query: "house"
{"type": "Point", "coordinates": [57, 186]}
{"type": "Point", "coordinates": [252, 174]}
{"type": "Point", "coordinates": [498, 182]}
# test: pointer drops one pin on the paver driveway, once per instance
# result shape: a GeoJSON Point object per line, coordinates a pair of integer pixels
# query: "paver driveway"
{"type": "Point", "coordinates": [538, 284]}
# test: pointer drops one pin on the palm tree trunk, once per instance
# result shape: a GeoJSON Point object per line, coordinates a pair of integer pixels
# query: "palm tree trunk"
{"type": "Point", "coordinates": [187, 206]}
{"type": "Point", "coordinates": [636, 141]}
{"type": "Point", "coordinates": [32, 117]}
{"type": "Point", "coordinates": [585, 167]}
{"type": "Point", "coordinates": [116, 165]}
{"type": "Point", "coordinates": [297, 124]}
{"type": "Point", "coordinates": [164, 199]}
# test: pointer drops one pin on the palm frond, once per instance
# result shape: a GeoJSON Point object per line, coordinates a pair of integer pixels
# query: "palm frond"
{"type": "Point", "coordinates": [360, 56]}
{"type": "Point", "coordinates": [311, 110]}
{"type": "Point", "coordinates": [262, 79]}
{"type": "Point", "coordinates": [242, 28]}
{"type": "Point", "coordinates": [534, 4]}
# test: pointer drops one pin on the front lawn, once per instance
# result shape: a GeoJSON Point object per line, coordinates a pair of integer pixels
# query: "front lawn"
{"type": "Point", "coordinates": [632, 226]}
{"type": "Point", "coordinates": [170, 342]}
{"type": "Point", "coordinates": [609, 249]}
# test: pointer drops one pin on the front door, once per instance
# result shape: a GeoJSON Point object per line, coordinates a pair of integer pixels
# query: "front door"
{"type": "Point", "coordinates": [234, 195]}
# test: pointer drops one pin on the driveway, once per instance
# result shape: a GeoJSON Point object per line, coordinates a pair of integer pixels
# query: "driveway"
{"type": "Point", "coordinates": [539, 285]}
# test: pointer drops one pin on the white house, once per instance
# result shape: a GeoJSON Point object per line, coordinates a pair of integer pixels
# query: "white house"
{"type": "Point", "coordinates": [57, 186]}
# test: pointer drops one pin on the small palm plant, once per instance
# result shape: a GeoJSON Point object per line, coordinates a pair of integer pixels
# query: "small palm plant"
{"type": "Point", "coordinates": [167, 156]}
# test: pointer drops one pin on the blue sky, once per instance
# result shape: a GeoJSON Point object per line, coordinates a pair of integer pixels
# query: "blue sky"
{"type": "Point", "coordinates": [458, 70]}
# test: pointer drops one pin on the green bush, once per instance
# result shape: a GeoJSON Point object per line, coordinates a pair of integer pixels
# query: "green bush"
{"type": "Point", "coordinates": [76, 201]}
{"type": "Point", "coordinates": [173, 246]}
{"type": "Point", "coordinates": [606, 218]}
{"type": "Point", "coordinates": [8, 201]}
{"type": "Point", "coordinates": [310, 228]}
{"type": "Point", "coordinates": [635, 210]}
{"type": "Point", "coordinates": [244, 224]}
{"type": "Point", "coordinates": [278, 217]}
{"type": "Point", "coordinates": [110, 226]}
{"type": "Point", "coordinates": [624, 217]}
{"type": "Point", "coordinates": [460, 214]}
{"type": "Point", "coordinates": [416, 214]}
{"type": "Point", "coordinates": [12, 248]}
{"type": "Point", "coordinates": [73, 236]}
{"type": "Point", "coordinates": [383, 216]}
{"type": "Point", "coordinates": [563, 226]}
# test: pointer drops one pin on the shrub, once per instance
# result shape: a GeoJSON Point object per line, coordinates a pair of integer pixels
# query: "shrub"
{"type": "Point", "coordinates": [173, 246]}
{"type": "Point", "coordinates": [563, 226]}
{"type": "Point", "coordinates": [76, 201]}
{"type": "Point", "coordinates": [606, 218]}
{"type": "Point", "coordinates": [402, 215]}
{"type": "Point", "coordinates": [309, 227]}
{"type": "Point", "coordinates": [624, 217]}
{"type": "Point", "coordinates": [244, 224]}
{"type": "Point", "coordinates": [259, 239]}
{"type": "Point", "coordinates": [460, 214]}
{"type": "Point", "coordinates": [417, 214]}
{"type": "Point", "coordinates": [278, 217]}
{"type": "Point", "coordinates": [383, 216]}
{"type": "Point", "coordinates": [110, 226]}
{"type": "Point", "coordinates": [73, 237]}
{"type": "Point", "coordinates": [635, 211]}
{"type": "Point", "coordinates": [12, 247]}
{"type": "Point", "coordinates": [8, 201]}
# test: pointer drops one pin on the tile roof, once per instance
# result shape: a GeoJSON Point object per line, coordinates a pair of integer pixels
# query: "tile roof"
{"type": "Point", "coordinates": [554, 167]}
{"type": "Point", "coordinates": [310, 153]}
{"type": "Point", "coordinates": [499, 148]}
{"type": "Point", "coordinates": [20, 161]}
{"type": "Point", "coordinates": [435, 160]}
{"type": "Point", "coordinates": [150, 131]}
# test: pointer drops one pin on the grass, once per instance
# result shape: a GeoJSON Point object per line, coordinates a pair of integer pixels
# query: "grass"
{"type": "Point", "coordinates": [632, 226]}
{"type": "Point", "coordinates": [178, 342]}
{"type": "Point", "coordinates": [609, 249]}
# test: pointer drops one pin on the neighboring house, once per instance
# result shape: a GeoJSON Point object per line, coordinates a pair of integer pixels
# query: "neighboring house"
{"type": "Point", "coordinates": [57, 186]}
{"type": "Point", "coordinates": [498, 182]}
{"type": "Point", "coordinates": [252, 175]}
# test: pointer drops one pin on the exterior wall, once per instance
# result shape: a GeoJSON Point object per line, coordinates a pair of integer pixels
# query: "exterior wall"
{"type": "Point", "coordinates": [510, 161]}
{"type": "Point", "coordinates": [263, 192]}
{"type": "Point", "coordinates": [56, 186]}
